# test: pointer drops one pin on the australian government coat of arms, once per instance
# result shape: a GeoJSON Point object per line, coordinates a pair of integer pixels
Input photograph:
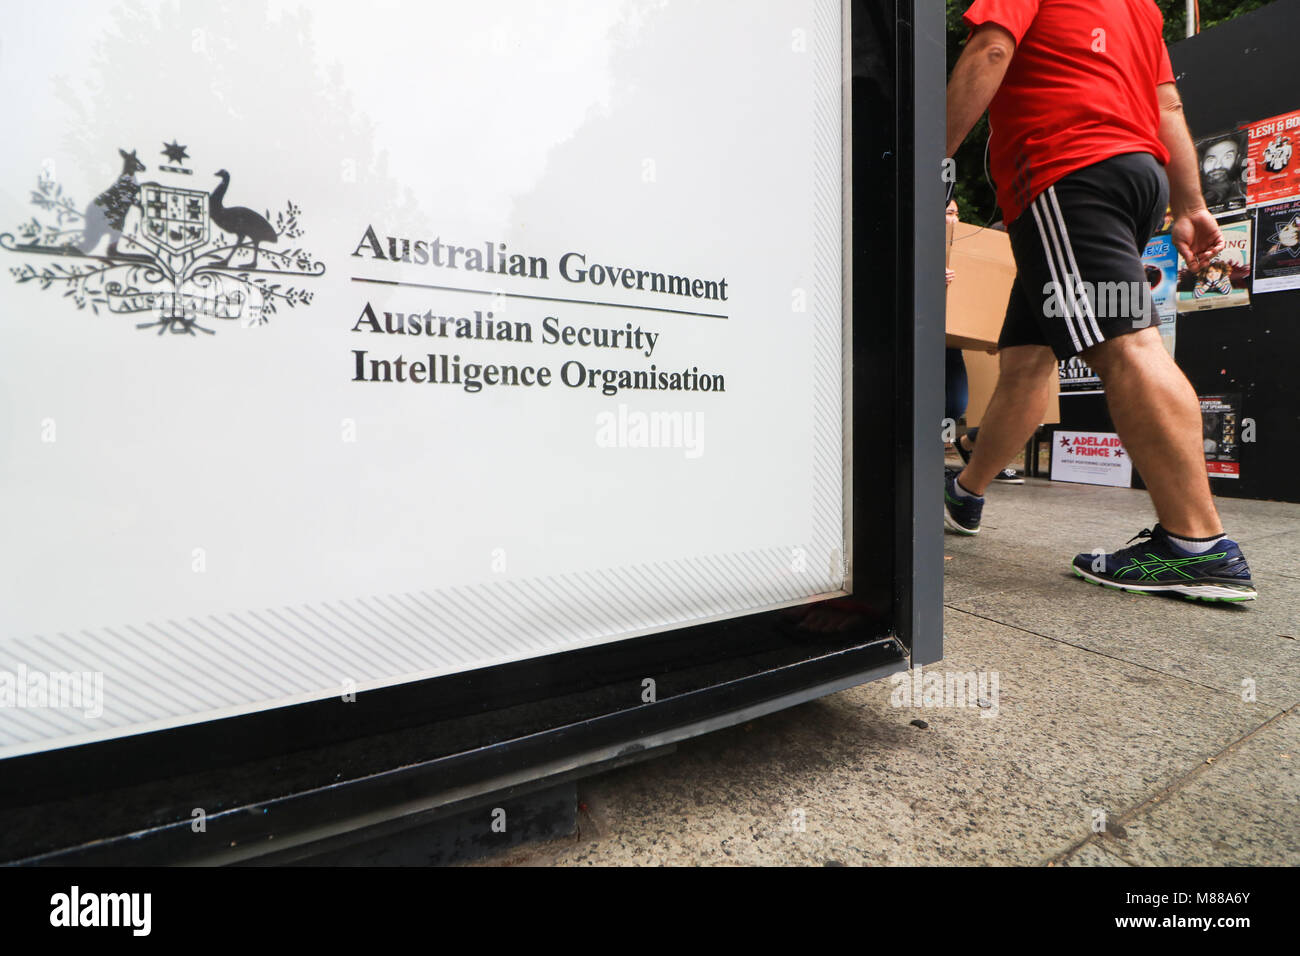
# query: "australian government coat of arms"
{"type": "Point", "coordinates": [176, 257]}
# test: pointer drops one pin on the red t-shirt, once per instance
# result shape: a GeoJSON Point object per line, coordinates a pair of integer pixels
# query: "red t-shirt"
{"type": "Point", "coordinates": [1081, 88]}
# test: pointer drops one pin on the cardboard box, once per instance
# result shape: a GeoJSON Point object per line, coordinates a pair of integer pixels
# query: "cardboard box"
{"type": "Point", "coordinates": [982, 375]}
{"type": "Point", "coordinates": [977, 303]}
{"type": "Point", "coordinates": [977, 299]}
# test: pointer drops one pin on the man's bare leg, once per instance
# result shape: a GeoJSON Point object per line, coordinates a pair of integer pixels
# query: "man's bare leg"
{"type": "Point", "coordinates": [1026, 376]}
{"type": "Point", "coordinates": [1158, 418]}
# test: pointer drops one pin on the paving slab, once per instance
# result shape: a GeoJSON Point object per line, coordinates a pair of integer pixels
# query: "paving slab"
{"type": "Point", "coordinates": [1277, 553]}
{"type": "Point", "coordinates": [970, 575]}
{"type": "Point", "coordinates": [1219, 646]}
{"type": "Point", "coordinates": [1092, 854]}
{"type": "Point", "coordinates": [1241, 810]}
{"type": "Point", "coordinates": [1050, 522]}
{"type": "Point", "coordinates": [1043, 524]}
{"type": "Point", "coordinates": [850, 779]}
{"type": "Point", "coordinates": [1107, 704]}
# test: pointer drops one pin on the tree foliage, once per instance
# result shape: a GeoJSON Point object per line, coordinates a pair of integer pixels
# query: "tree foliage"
{"type": "Point", "coordinates": [1213, 12]}
{"type": "Point", "coordinates": [973, 191]}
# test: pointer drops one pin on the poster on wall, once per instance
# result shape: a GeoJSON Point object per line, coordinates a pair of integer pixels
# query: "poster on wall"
{"type": "Point", "coordinates": [1277, 247]}
{"type": "Point", "coordinates": [1223, 170]}
{"type": "Point", "coordinates": [1160, 261]}
{"type": "Point", "coordinates": [1224, 282]}
{"type": "Point", "coordinates": [1091, 458]}
{"type": "Point", "coordinates": [1076, 377]}
{"type": "Point", "coordinates": [1272, 167]}
{"type": "Point", "coordinates": [1220, 420]}
{"type": "Point", "coordinates": [1169, 333]}
{"type": "Point", "coordinates": [312, 381]}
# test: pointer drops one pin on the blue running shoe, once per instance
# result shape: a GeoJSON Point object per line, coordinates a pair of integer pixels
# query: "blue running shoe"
{"type": "Point", "coordinates": [1158, 565]}
{"type": "Point", "coordinates": [961, 513]}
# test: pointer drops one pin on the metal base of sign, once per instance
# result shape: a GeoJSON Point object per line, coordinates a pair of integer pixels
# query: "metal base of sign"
{"type": "Point", "coordinates": [320, 820]}
{"type": "Point", "coordinates": [486, 829]}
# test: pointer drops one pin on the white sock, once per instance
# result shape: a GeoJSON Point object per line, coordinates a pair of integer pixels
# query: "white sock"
{"type": "Point", "coordinates": [962, 492]}
{"type": "Point", "coordinates": [1196, 545]}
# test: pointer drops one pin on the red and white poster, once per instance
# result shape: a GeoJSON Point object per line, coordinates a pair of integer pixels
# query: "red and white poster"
{"type": "Point", "coordinates": [1220, 417]}
{"type": "Point", "coordinates": [1272, 160]}
{"type": "Point", "coordinates": [1091, 458]}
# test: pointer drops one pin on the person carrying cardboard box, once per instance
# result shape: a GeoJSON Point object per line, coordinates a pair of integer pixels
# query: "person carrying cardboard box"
{"type": "Point", "coordinates": [956, 381]}
{"type": "Point", "coordinates": [1088, 146]}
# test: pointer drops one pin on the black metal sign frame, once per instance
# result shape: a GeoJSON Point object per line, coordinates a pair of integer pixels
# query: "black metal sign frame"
{"type": "Point", "coordinates": [282, 784]}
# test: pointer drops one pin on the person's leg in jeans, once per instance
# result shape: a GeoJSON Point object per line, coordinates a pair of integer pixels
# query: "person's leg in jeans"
{"type": "Point", "coordinates": [956, 389]}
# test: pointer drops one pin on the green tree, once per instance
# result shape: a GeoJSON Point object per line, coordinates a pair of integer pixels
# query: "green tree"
{"type": "Point", "coordinates": [1213, 12]}
{"type": "Point", "coordinates": [973, 192]}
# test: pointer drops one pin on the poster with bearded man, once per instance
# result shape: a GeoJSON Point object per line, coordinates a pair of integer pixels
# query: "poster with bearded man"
{"type": "Point", "coordinates": [1223, 170]}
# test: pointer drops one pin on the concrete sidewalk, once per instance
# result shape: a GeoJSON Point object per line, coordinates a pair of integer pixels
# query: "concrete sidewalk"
{"type": "Point", "coordinates": [1127, 714]}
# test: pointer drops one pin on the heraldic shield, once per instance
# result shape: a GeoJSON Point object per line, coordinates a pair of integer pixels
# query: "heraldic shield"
{"type": "Point", "coordinates": [176, 219]}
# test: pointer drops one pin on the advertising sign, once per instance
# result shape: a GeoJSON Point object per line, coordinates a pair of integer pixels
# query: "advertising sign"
{"type": "Point", "coordinates": [1076, 377]}
{"type": "Point", "coordinates": [350, 351]}
{"type": "Point", "coordinates": [1223, 283]}
{"type": "Point", "coordinates": [1272, 168]}
{"type": "Point", "coordinates": [1091, 458]}
{"type": "Point", "coordinates": [1277, 247]}
{"type": "Point", "coordinates": [1223, 170]}
{"type": "Point", "coordinates": [1160, 261]}
{"type": "Point", "coordinates": [1220, 420]}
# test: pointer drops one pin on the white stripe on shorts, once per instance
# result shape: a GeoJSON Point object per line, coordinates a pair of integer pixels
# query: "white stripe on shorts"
{"type": "Point", "coordinates": [1056, 281]}
{"type": "Point", "coordinates": [1070, 249]}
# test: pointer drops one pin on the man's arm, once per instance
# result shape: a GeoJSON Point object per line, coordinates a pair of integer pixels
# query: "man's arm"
{"type": "Point", "coordinates": [1195, 232]}
{"type": "Point", "coordinates": [976, 78]}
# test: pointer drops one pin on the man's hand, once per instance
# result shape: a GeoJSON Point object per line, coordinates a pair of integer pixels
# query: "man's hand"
{"type": "Point", "coordinates": [1197, 238]}
{"type": "Point", "coordinates": [949, 276]}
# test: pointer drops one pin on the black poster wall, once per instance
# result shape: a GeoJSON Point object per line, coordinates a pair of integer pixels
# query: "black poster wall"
{"type": "Point", "coordinates": [1247, 351]}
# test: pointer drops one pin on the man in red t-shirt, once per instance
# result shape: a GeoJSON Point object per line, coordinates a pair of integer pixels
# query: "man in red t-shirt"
{"type": "Point", "coordinates": [1088, 147]}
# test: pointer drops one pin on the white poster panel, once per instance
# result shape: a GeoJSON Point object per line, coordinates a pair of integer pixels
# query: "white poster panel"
{"type": "Point", "coordinates": [1091, 458]}
{"type": "Point", "coordinates": [352, 347]}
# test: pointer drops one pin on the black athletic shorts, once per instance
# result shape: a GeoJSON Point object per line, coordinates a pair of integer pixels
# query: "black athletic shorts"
{"type": "Point", "coordinates": [1078, 250]}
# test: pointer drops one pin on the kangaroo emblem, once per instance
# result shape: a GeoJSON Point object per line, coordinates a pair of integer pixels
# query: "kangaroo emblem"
{"type": "Point", "coordinates": [107, 213]}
